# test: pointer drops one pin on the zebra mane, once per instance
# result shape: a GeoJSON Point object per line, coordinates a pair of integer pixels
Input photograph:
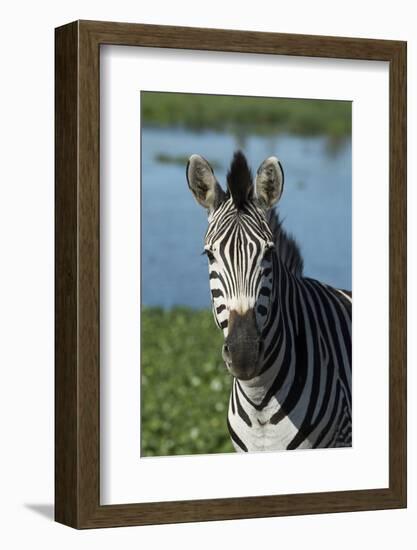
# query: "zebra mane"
{"type": "Point", "coordinates": [239, 179]}
{"type": "Point", "coordinates": [287, 247]}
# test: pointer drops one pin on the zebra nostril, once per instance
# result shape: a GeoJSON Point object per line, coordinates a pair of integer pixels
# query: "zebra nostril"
{"type": "Point", "coordinates": [226, 353]}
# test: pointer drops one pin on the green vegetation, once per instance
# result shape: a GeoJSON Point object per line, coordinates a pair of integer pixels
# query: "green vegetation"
{"type": "Point", "coordinates": [185, 387]}
{"type": "Point", "coordinates": [243, 115]}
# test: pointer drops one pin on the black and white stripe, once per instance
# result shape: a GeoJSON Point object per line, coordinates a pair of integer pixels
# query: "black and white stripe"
{"type": "Point", "coordinates": [238, 248]}
{"type": "Point", "coordinates": [294, 390]}
{"type": "Point", "coordinates": [302, 397]}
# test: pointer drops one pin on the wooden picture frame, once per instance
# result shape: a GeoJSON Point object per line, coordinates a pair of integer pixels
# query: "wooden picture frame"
{"type": "Point", "coordinates": [77, 372]}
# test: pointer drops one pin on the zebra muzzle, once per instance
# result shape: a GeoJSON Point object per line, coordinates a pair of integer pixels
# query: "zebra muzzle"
{"type": "Point", "coordinates": [243, 347]}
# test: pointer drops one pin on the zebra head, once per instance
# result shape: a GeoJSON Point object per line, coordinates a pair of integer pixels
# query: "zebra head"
{"type": "Point", "coordinates": [239, 246]}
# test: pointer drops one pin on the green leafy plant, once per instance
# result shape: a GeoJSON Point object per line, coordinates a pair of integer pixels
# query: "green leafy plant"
{"type": "Point", "coordinates": [185, 387]}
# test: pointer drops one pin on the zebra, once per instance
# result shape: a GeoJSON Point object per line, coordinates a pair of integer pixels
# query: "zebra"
{"type": "Point", "coordinates": [287, 337]}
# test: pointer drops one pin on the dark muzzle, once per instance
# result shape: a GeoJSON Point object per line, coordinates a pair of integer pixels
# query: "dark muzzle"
{"type": "Point", "coordinates": [242, 349]}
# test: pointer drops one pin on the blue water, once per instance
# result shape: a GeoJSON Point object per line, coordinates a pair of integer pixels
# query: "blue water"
{"type": "Point", "coordinates": [316, 207]}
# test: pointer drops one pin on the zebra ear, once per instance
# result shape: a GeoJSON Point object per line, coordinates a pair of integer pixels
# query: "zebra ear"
{"type": "Point", "coordinates": [269, 182]}
{"type": "Point", "coordinates": [202, 182]}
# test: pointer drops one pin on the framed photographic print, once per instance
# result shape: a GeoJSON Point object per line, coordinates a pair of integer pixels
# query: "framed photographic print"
{"type": "Point", "coordinates": [230, 274]}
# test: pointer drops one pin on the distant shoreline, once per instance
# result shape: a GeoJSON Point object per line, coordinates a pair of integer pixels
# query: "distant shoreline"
{"type": "Point", "coordinates": [247, 115]}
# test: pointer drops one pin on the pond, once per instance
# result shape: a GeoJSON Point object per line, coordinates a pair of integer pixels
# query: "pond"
{"type": "Point", "coordinates": [316, 208]}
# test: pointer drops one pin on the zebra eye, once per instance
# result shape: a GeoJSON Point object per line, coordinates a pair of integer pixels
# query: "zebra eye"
{"type": "Point", "coordinates": [209, 254]}
{"type": "Point", "coordinates": [268, 251]}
